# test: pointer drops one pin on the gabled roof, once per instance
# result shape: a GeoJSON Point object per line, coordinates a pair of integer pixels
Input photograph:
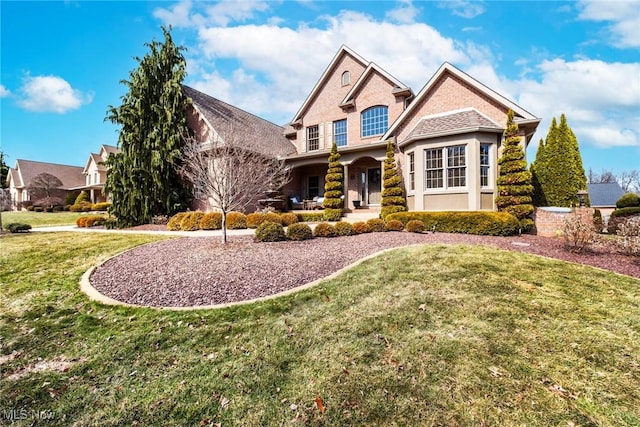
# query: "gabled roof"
{"type": "Point", "coordinates": [71, 176]}
{"type": "Point", "coordinates": [256, 134]}
{"type": "Point", "coordinates": [109, 149]}
{"type": "Point", "coordinates": [400, 88]}
{"type": "Point", "coordinates": [97, 159]}
{"type": "Point", "coordinates": [344, 50]}
{"type": "Point", "coordinates": [14, 176]}
{"type": "Point", "coordinates": [448, 68]}
{"type": "Point", "coordinates": [604, 194]}
{"type": "Point", "coordinates": [451, 123]}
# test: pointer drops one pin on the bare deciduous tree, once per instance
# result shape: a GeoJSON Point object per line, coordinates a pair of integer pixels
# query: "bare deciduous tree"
{"type": "Point", "coordinates": [605, 176]}
{"type": "Point", "coordinates": [230, 177]}
{"type": "Point", "coordinates": [629, 181]}
{"type": "Point", "coordinates": [45, 189]}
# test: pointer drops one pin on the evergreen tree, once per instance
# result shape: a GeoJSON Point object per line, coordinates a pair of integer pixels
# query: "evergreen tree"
{"type": "Point", "coordinates": [514, 180]}
{"type": "Point", "coordinates": [333, 190]}
{"type": "Point", "coordinates": [4, 171]}
{"type": "Point", "coordinates": [392, 195]}
{"type": "Point", "coordinates": [143, 178]}
{"type": "Point", "coordinates": [558, 173]}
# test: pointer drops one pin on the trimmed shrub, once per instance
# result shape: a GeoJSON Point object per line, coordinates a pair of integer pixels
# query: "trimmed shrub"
{"type": "Point", "coordinates": [376, 225]}
{"type": "Point", "coordinates": [392, 194]}
{"type": "Point", "coordinates": [324, 229]}
{"type": "Point", "coordinates": [71, 197]}
{"type": "Point", "coordinates": [310, 217]}
{"type": "Point", "coordinates": [211, 221]}
{"type": "Point", "coordinates": [82, 197]}
{"type": "Point", "coordinates": [81, 207]}
{"type": "Point", "coordinates": [299, 231]}
{"type": "Point", "coordinates": [289, 218]}
{"type": "Point", "coordinates": [332, 214]}
{"type": "Point", "coordinates": [474, 222]}
{"type": "Point", "coordinates": [90, 221]}
{"type": "Point", "coordinates": [628, 200]}
{"type": "Point", "coordinates": [255, 219]}
{"type": "Point", "coordinates": [58, 208]}
{"type": "Point", "coordinates": [273, 217]}
{"type": "Point", "coordinates": [629, 232]}
{"type": "Point", "coordinates": [361, 227]}
{"type": "Point", "coordinates": [618, 216]}
{"type": "Point", "coordinates": [415, 226]}
{"type": "Point", "coordinates": [344, 228]}
{"type": "Point", "coordinates": [100, 207]}
{"type": "Point", "coordinates": [17, 227]}
{"type": "Point", "coordinates": [394, 225]}
{"type": "Point", "coordinates": [38, 209]}
{"type": "Point", "coordinates": [578, 235]}
{"type": "Point", "coordinates": [597, 220]}
{"type": "Point", "coordinates": [174, 221]}
{"type": "Point", "coordinates": [236, 221]}
{"type": "Point", "coordinates": [270, 232]}
{"type": "Point", "coordinates": [191, 221]}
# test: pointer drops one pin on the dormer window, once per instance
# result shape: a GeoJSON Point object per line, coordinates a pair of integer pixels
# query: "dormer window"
{"type": "Point", "coordinates": [346, 78]}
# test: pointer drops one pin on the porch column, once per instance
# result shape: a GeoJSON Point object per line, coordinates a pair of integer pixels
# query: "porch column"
{"type": "Point", "coordinates": [345, 186]}
{"type": "Point", "coordinates": [93, 197]}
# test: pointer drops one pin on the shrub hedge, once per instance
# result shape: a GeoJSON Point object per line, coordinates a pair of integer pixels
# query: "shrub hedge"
{"type": "Point", "coordinates": [310, 217]}
{"type": "Point", "coordinates": [344, 228]}
{"type": "Point", "coordinates": [191, 221]}
{"type": "Point", "coordinates": [394, 225]}
{"type": "Point", "coordinates": [211, 221]}
{"type": "Point", "coordinates": [361, 227]}
{"type": "Point", "coordinates": [236, 220]}
{"type": "Point", "coordinates": [90, 220]}
{"type": "Point", "coordinates": [415, 226]}
{"type": "Point", "coordinates": [289, 218]}
{"type": "Point", "coordinates": [17, 227]}
{"type": "Point", "coordinates": [101, 206]}
{"type": "Point", "coordinates": [619, 216]}
{"type": "Point", "coordinates": [270, 232]}
{"type": "Point", "coordinates": [376, 225]}
{"type": "Point", "coordinates": [255, 219]}
{"type": "Point", "coordinates": [482, 223]}
{"type": "Point", "coordinates": [324, 229]}
{"type": "Point", "coordinates": [174, 221]}
{"type": "Point", "coordinates": [628, 200]}
{"type": "Point", "coordinates": [299, 231]}
{"type": "Point", "coordinates": [332, 214]}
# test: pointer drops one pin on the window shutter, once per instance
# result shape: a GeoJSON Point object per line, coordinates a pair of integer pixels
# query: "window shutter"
{"type": "Point", "coordinates": [329, 134]}
{"type": "Point", "coordinates": [321, 136]}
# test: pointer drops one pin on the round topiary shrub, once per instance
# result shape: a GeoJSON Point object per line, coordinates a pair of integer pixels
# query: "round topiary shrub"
{"type": "Point", "coordinates": [191, 221]}
{"type": "Point", "coordinates": [273, 217]}
{"type": "Point", "coordinates": [415, 226]}
{"type": "Point", "coordinates": [81, 222]}
{"type": "Point", "coordinates": [299, 231]}
{"type": "Point", "coordinates": [255, 219]}
{"type": "Point", "coordinates": [174, 222]}
{"type": "Point", "coordinates": [628, 200]}
{"type": "Point", "coordinates": [376, 225]}
{"type": "Point", "coordinates": [270, 232]}
{"type": "Point", "coordinates": [344, 228]}
{"type": "Point", "coordinates": [211, 221]}
{"type": "Point", "coordinates": [289, 218]}
{"type": "Point", "coordinates": [394, 225]}
{"type": "Point", "coordinates": [236, 221]}
{"type": "Point", "coordinates": [361, 227]}
{"type": "Point", "coordinates": [324, 229]}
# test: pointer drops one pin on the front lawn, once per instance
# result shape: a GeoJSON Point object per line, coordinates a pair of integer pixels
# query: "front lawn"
{"type": "Point", "coordinates": [41, 219]}
{"type": "Point", "coordinates": [458, 335]}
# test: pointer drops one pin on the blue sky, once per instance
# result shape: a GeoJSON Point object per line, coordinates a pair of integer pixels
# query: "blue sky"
{"type": "Point", "coordinates": [61, 62]}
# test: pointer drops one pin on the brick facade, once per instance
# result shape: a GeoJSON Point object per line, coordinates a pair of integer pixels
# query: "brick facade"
{"type": "Point", "coordinates": [549, 223]}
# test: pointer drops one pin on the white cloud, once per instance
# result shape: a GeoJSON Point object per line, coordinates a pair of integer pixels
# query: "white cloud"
{"type": "Point", "coordinates": [4, 92]}
{"type": "Point", "coordinates": [50, 94]}
{"type": "Point", "coordinates": [221, 13]}
{"type": "Point", "coordinates": [404, 13]}
{"type": "Point", "coordinates": [623, 16]}
{"type": "Point", "coordinates": [179, 15]}
{"type": "Point", "coordinates": [463, 8]}
{"type": "Point", "coordinates": [601, 100]}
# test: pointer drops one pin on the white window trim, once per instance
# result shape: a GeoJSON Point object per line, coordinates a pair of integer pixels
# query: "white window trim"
{"type": "Point", "coordinates": [445, 188]}
{"type": "Point", "coordinates": [492, 168]}
{"type": "Point", "coordinates": [409, 190]}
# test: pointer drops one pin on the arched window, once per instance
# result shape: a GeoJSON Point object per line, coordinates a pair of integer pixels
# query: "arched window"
{"type": "Point", "coordinates": [346, 78]}
{"type": "Point", "coordinates": [375, 121]}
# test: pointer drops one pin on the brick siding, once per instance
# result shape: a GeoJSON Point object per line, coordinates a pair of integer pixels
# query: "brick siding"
{"type": "Point", "coordinates": [551, 224]}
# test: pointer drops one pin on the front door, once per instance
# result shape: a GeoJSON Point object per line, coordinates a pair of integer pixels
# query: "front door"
{"type": "Point", "coordinates": [374, 186]}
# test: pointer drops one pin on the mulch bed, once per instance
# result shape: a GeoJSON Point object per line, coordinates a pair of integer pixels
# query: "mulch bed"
{"type": "Point", "coordinates": [195, 271]}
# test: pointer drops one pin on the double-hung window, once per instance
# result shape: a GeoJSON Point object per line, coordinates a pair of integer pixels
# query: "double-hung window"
{"type": "Point", "coordinates": [374, 121]}
{"type": "Point", "coordinates": [313, 138]}
{"type": "Point", "coordinates": [412, 171]}
{"type": "Point", "coordinates": [484, 164]}
{"type": "Point", "coordinates": [340, 132]}
{"type": "Point", "coordinates": [445, 167]}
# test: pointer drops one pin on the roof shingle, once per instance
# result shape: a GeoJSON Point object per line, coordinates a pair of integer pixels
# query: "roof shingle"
{"type": "Point", "coordinates": [71, 176]}
{"type": "Point", "coordinates": [604, 194]}
{"type": "Point", "coordinates": [451, 123]}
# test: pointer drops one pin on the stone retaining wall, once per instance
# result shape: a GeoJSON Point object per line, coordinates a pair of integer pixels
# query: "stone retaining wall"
{"type": "Point", "coordinates": [549, 222]}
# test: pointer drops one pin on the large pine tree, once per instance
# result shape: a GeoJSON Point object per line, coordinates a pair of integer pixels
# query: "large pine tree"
{"type": "Point", "coordinates": [558, 173]}
{"type": "Point", "coordinates": [143, 178]}
{"type": "Point", "coordinates": [392, 195]}
{"type": "Point", "coordinates": [333, 189]}
{"type": "Point", "coordinates": [514, 180]}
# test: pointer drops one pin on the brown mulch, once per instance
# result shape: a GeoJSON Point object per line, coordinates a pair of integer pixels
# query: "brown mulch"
{"type": "Point", "coordinates": [195, 271]}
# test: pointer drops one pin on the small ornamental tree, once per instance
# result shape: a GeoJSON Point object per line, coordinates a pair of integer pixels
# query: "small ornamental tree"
{"type": "Point", "coordinates": [514, 180]}
{"type": "Point", "coordinates": [333, 202]}
{"type": "Point", "coordinates": [45, 189]}
{"type": "Point", "coordinates": [392, 195]}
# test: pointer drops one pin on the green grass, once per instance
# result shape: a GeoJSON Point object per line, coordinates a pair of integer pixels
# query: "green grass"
{"type": "Point", "coordinates": [41, 219]}
{"type": "Point", "coordinates": [457, 336]}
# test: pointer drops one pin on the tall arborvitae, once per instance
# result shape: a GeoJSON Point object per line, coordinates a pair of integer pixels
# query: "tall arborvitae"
{"type": "Point", "coordinates": [392, 195]}
{"type": "Point", "coordinates": [333, 192]}
{"type": "Point", "coordinates": [514, 180]}
{"type": "Point", "coordinates": [558, 173]}
{"type": "Point", "coordinates": [143, 178]}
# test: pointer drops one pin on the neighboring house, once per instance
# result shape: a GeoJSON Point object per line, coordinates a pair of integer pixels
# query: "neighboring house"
{"type": "Point", "coordinates": [448, 136]}
{"type": "Point", "coordinates": [95, 174]}
{"type": "Point", "coordinates": [604, 196]}
{"type": "Point", "coordinates": [20, 177]}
